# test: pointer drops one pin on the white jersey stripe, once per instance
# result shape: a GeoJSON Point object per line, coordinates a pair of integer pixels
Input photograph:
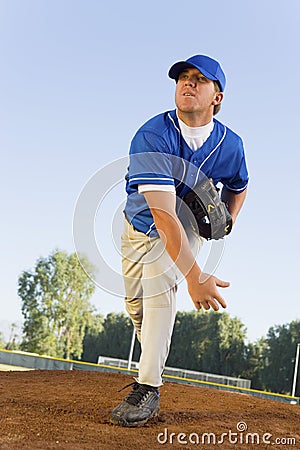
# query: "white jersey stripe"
{"type": "Point", "coordinates": [141, 179]}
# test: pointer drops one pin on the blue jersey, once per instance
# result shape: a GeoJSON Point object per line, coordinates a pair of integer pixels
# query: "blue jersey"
{"type": "Point", "coordinates": [160, 155]}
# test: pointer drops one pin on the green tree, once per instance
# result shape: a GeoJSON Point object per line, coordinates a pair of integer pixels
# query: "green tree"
{"type": "Point", "coordinates": [255, 361]}
{"type": "Point", "coordinates": [231, 335]}
{"type": "Point", "coordinates": [208, 342]}
{"type": "Point", "coordinates": [92, 338]}
{"type": "Point", "coordinates": [187, 331]}
{"type": "Point", "coordinates": [113, 340]}
{"type": "Point", "coordinates": [55, 304]}
{"type": "Point", "coordinates": [279, 357]}
{"type": "Point", "coordinates": [116, 337]}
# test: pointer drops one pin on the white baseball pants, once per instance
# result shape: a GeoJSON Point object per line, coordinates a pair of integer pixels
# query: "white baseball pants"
{"type": "Point", "coordinates": [150, 278]}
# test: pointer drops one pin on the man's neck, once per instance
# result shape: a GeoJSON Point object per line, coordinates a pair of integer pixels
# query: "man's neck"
{"type": "Point", "coordinates": [194, 119]}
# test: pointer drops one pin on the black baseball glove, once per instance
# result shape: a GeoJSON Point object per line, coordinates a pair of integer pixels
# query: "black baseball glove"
{"type": "Point", "coordinates": [211, 214]}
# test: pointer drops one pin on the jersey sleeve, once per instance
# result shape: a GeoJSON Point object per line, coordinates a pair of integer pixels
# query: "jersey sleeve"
{"type": "Point", "coordinates": [156, 187]}
{"type": "Point", "coordinates": [150, 161]}
{"type": "Point", "coordinates": [238, 179]}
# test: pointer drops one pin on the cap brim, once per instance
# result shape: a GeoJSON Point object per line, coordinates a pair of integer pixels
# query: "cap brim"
{"type": "Point", "coordinates": [180, 66]}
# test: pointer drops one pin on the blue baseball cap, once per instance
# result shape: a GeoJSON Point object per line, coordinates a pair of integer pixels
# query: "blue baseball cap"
{"type": "Point", "coordinates": [209, 67]}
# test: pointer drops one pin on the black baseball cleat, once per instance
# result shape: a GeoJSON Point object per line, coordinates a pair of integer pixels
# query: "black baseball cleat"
{"type": "Point", "coordinates": [138, 407]}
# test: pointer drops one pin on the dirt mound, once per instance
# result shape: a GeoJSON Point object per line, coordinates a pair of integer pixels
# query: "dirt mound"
{"type": "Point", "coordinates": [70, 410]}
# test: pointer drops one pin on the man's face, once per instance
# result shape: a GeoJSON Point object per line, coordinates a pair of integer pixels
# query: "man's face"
{"type": "Point", "coordinates": [194, 92]}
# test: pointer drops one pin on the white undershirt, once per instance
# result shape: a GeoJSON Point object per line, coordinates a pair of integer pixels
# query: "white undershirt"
{"type": "Point", "coordinates": [195, 138]}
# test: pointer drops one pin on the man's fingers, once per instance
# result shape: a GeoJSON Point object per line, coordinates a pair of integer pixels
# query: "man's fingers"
{"type": "Point", "coordinates": [222, 283]}
{"type": "Point", "coordinates": [211, 303]}
{"type": "Point", "coordinates": [211, 297]}
{"type": "Point", "coordinates": [205, 305]}
{"type": "Point", "coordinates": [214, 305]}
{"type": "Point", "coordinates": [221, 300]}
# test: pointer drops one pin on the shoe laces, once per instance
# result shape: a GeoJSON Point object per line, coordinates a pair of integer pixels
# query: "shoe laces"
{"type": "Point", "coordinates": [139, 391]}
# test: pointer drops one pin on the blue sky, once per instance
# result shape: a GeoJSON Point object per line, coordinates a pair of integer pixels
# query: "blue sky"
{"type": "Point", "coordinates": [79, 77]}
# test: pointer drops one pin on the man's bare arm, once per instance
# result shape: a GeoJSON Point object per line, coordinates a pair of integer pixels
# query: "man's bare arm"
{"type": "Point", "coordinates": [234, 201]}
{"type": "Point", "coordinates": [202, 288]}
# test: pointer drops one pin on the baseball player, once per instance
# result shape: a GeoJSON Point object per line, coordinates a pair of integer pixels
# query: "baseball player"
{"type": "Point", "coordinates": [169, 155]}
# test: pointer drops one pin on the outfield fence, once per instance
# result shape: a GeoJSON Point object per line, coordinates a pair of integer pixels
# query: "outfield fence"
{"type": "Point", "coordinates": [43, 362]}
{"type": "Point", "coordinates": [182, 373]}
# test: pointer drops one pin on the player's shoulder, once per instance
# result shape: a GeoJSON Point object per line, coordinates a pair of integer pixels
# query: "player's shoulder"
{"type": "Point", "coordinates": [157, 132]}
{"type": "Point", "coordinates": [230, 136]}
{"type": "Point", "coordinates": [159, 124]}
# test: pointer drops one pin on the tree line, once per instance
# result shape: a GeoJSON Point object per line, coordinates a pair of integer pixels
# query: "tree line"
{"type": "Point", "coordinates": [60, 321]}
{"type": "Point", "coordinates": [209, 342]}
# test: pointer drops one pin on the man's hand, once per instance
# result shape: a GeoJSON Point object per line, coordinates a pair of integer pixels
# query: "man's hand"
{"type": "Point", "coordinates": [204, 293]}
